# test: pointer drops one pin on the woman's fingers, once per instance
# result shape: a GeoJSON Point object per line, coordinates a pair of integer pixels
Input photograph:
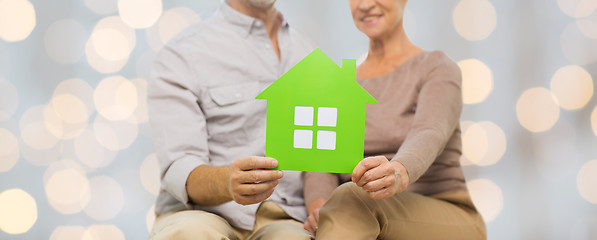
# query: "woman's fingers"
{"type": "Point", "coordinates": [382, 194]}
{"type": "Point", "coordinates": [379, 177]}
{"type": "Point", "coordinates": [379, 184]}
{"type": "Point", "coordinates": [377, 173]}
{"type": "Point", "coordinates": [365, 165]}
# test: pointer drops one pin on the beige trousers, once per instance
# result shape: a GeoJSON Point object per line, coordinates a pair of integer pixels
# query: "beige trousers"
{"type": "Point", "coordinates": [351, 214]}
{"type": "Point", "coordinates": [271, 222]}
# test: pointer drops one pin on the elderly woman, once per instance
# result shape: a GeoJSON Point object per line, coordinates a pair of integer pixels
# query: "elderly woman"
{"type": "Point", "coordinates": [410, 185]}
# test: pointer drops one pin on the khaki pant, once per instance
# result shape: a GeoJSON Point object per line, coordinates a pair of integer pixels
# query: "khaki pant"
{"type": "Point", "coordinates": [351, 214]}
{"type": "Point", "coordinates": [271, 222]}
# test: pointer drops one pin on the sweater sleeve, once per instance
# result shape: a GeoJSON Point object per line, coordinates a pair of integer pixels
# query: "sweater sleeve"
{"type": "Point", "coordinates": [319, 185]}
{"type": "Point", "coordinates": [437, 115]}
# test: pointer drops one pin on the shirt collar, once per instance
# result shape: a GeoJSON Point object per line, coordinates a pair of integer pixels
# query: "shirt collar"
{"type": "Point", "coordinates": [241, 22]}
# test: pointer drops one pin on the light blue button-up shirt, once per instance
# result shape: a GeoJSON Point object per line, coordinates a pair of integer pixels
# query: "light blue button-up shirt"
{"type": "Point", "coordinates": [203, 110]}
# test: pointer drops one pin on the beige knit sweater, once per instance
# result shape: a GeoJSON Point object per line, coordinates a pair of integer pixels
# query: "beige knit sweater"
{"type": "Point", "coordinates": [415, 122]}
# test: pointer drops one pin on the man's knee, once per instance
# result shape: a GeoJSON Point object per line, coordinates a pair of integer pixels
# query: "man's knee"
{"type": "Point", "coordinates": [282, 230]}
{"type": "Point", "coordinates": [191, 224]}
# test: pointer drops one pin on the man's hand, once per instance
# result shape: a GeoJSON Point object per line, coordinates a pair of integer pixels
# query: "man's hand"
{"type": "Point", "coordinates": [379, 177]}
{"type": "Point", "coordinates": [249, 182]}
{"type": "Point", "coordinates": [313, 219]}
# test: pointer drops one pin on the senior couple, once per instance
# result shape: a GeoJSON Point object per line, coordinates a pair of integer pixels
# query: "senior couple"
{"type": "Point", "coordinates": [209, 133]}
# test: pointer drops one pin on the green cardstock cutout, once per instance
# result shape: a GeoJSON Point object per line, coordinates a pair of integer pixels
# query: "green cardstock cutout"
{"type": "Point", "coordinates": [316, 116]}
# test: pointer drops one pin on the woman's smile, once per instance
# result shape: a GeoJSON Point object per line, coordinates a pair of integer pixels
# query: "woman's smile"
{"type": "Point", "coordinates": [371, 19]}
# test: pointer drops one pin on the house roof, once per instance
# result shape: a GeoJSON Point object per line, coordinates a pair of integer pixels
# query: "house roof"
{"type": "Point", "coordinates": [318, 78]}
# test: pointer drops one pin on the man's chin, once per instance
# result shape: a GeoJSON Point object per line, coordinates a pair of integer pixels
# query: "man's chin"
{"type": "Point", "coordinates": [261, 3]}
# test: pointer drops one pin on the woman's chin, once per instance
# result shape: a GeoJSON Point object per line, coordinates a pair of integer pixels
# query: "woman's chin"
{"type": "Point", "coordinates": [372, 33]}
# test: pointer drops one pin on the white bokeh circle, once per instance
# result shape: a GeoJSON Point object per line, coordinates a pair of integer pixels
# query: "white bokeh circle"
{"type": "Point", "coordinates": [483, 143]}
{"type": "Point", "coordinates": [150, 174]}
{"type": "Point", "coordinates": [487, 197]}
{"type": "Point", "coordinates": [150, 218]}
{"type": "Point", "coordinates": [577, 8]}
{"type": "Point", "coordinates": [477, 81]}
{"type": "Point", "coordinates": [586, 181]}
{"type": "Point", "coordinates": [140, 115]}
{"type": "Point", "coordinates": [115, 135]}
{"type": "Point", "coordinates": [18, 211]}
{"type": "Point", "coordinates": [101, 50]}
{"type": "Point", "coordinates": [67, 190]}
{"type": "Point", "coordinates": [90, 152]}
{"type": "Point", "coordinates": [9, 152]}
{"type": "Point", "coordinates": [107, 198]}
{"type": "Point", "coordinates": [474, 20]}
{"type": "Point", "coordinates": [68, 233]}
{"type": "Point", "coordinates": [537, 109]}
{"type": "Point", "coordinates": [115, 98]}
{"type": "Point", "coordinates": [573, 87]}
{"type": "Point", "coordinates": [17, 20]}
{"type": "Point", "coordinates": [475, 143]}
{"type": "Point", "coordinates": [594, 120]}
{"type": "Point", "coordinates": [140, 13]}
{"type": "Point", "coordinates": [169, 25]}
{"type": "Point", "coordinates": [101, 232]}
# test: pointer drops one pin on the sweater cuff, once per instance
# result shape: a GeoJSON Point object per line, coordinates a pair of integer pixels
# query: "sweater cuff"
{"type": "Point", "coordinates": [412, 165]}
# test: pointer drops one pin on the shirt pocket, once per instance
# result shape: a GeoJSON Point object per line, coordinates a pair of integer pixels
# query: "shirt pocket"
{"type": "Point", "coordinates": [237, 115]}
{"type": "Point", "coordinates": [228, 95]}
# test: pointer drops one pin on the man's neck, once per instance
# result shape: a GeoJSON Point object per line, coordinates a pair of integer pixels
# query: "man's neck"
{"type": "Point", "coordinates": [268, 15]}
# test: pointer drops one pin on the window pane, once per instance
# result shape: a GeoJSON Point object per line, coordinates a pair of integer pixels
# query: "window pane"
{"type": "Point", "coordinates": [326, 140]}
{"type": "Point", "coordinates": [303, 116]}
{"type": "Point", "coordinates": [303, 139]}
{"type": "Point", "coordinates": [326, 116]}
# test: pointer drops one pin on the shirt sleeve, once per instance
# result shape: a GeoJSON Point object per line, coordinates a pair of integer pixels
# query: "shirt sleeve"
{"type": "Point", "coordinates": [439, 106]}
{"type": "Point", "coordinates": [178, 124]}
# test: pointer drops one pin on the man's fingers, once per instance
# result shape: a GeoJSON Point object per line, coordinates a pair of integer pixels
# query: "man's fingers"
{"type": "Point", "coordinates": [257, 176]}
{"type": "Point", "coordinates": [250, 163]}
{"type": "Point", "coordinates": [252, 199]}
{"type": "Point", "coordinates": [307, 226]}
{"type": "Point", "coordinates": [364, 165]}
{"type": "Point", "coordinates": [310, 225]}
{"type": "Point", "coordinates": [256, 188]}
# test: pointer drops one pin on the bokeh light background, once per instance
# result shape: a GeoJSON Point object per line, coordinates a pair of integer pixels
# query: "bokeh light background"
{"type": "Point", "coordinates": [76, 155]}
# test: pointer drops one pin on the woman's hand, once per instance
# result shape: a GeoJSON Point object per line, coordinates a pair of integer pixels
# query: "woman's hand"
{"type": "Point", "coordinates": [313, 218]}
{"type": "Point", "coordinates": [379, 177]}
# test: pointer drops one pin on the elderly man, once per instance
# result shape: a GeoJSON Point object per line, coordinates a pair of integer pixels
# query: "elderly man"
{"type": "Point", "coordinates": [209, 131]}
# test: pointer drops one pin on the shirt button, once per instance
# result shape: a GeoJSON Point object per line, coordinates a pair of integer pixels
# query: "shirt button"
{"type": "Point", "coordinates": [268, 46]}
{"type": "Point", "coordinates": [238, 95]}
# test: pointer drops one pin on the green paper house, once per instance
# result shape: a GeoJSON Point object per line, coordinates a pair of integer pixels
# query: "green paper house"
{"type": "Point", "coordinates": [316, 116]}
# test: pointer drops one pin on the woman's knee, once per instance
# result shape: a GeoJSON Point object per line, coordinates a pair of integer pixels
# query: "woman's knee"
{"type": "Point", "coordinates": [350, 190]}
{"type": "Point", "coordinates": [347, 199]}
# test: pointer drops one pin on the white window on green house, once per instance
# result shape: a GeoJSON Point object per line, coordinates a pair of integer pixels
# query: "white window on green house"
{"type": "Point", "coordinates": [304, 117]}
